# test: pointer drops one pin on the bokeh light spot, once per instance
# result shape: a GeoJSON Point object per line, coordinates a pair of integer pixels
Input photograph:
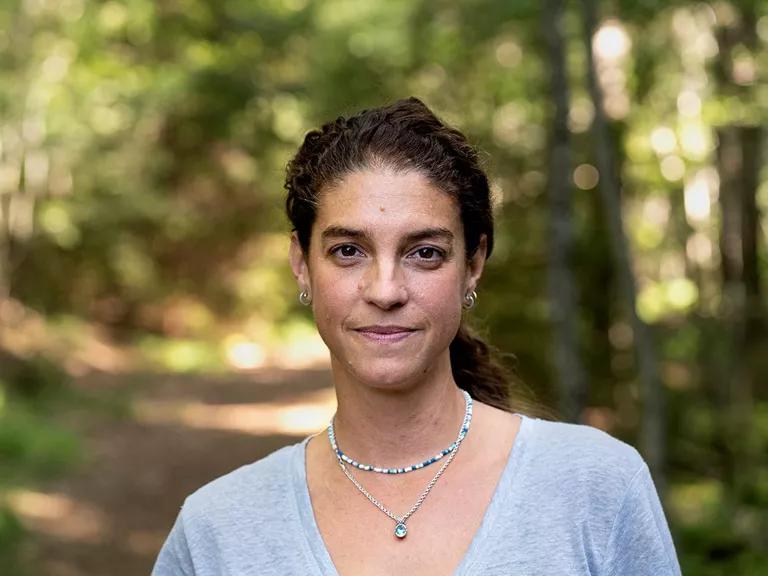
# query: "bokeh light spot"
{"type": "Point", "coordinates": [586, 176]}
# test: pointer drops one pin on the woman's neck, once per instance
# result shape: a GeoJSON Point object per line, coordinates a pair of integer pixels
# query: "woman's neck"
{"type": "Point", "coordinates": [396, 428]}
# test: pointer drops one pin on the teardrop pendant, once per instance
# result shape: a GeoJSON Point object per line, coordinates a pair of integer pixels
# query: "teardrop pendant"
{"type": "Point", "coordinates": [401, 531]}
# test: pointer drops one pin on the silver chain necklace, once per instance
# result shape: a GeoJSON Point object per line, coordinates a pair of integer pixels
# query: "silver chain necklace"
{"type": "Point", "coordinates": [401, 530]}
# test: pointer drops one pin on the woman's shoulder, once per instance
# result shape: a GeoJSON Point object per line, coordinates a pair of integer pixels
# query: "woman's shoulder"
{"type": "Point", "coordinates": [582, 454]}
{"type": "Point", "coordinates": [250, 514]}
{"type": "Point", "coordinates": [264, 483]}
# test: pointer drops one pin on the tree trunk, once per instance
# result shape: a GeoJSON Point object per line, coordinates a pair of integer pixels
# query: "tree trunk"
{"type": "Point", "coordinates": [741, 312]}
{"type": "Point", "coordinates": [5, 245]}
{"type": "Point", "coordinates": [563, 296]}
{"type": "Point", "coordinates": [654, 408]}
{"type": "Point", "coordinates": [751, 138]}
{"type": "Point", "coordinates": [738, 249]}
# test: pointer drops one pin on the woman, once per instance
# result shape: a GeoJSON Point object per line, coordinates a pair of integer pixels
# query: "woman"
{"type": "Point", "coordinates": [392, 226]}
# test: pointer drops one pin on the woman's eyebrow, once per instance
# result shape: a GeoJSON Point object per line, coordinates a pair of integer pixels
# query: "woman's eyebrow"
{"type": "Point", "coordinates": [430, 234]}
{"type": "Point", "coordinates": [423, 234]}
{"type": "Point", "coordinates": [342, 232]}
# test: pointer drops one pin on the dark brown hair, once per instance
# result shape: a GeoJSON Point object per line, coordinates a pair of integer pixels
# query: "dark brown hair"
{"type": "Point", "coordinates": [406, 135]}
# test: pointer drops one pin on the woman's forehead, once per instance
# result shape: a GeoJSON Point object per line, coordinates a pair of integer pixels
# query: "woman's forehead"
{"type": "Point", "coordinates": [387, 197]}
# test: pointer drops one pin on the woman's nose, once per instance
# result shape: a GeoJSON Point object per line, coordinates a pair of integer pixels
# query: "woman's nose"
{"type": "Point", "coordinates": [383, 285]}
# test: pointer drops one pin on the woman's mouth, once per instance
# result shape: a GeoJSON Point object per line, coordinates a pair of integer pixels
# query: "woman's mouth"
{"type": "Point", "coordinates": [385, 333]}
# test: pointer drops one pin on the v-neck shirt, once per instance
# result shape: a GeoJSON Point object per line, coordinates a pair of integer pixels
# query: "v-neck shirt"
{"type": "Point", "coordinates": [571, 500]}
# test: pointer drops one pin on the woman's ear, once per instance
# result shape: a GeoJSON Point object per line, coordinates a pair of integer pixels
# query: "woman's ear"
{"type": "Point", "coordinates": [299, 264]}
{"type": "Point", "coordinates": [476, 264]}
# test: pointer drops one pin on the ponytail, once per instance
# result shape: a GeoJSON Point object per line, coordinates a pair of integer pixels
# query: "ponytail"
{"type": "Point", "coordinates": [477, 369]}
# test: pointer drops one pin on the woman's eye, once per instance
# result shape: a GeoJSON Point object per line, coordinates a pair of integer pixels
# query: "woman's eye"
{"type": "Point", "coordinates": [346, 251]}
{"type": "Point", "coordinates": [428, 253]}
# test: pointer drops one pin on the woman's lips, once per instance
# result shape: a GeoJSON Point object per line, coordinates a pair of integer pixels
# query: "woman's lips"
{"type": "Point", "coordinates": [385, 333]}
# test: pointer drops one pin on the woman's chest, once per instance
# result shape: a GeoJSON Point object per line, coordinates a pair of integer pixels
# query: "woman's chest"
{"type": "Point", "coordinates": [360, 538]}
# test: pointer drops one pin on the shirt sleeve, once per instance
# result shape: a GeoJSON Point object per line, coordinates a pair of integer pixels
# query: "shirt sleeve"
{"type": "Point", "coordinates": [640, 543]}
{"type": "Point", "coordinates": [174, 558]}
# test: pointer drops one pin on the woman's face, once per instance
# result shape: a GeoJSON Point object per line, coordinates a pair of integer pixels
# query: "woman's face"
{"type": "Point", "coordinates": [387, 272]}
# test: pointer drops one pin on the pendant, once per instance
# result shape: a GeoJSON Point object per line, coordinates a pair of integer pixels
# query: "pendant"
{"type": "Point", "coordinates": [400, 530]}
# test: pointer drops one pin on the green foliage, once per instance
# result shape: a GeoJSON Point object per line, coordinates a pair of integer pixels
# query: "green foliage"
{"type": "Point", "coordinates": [713, 549]}
{"type": "Point", "coordinates": [182, 355]}
{"type": "Point", "coordinates": [11, 537]}
{"type": "Point", "coordinates": [31, 446]}
{"type": "Point", "coordinates": [33, 377]}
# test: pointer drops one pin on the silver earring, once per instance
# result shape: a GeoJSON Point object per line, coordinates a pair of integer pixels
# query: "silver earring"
{"type": "Point", "coordinates": [305, 298]}
{"type": "Point", "coordinates": [470, 299]}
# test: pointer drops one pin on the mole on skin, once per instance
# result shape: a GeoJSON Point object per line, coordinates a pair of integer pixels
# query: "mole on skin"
{"type": "Point", "coordinates": [381, 209]}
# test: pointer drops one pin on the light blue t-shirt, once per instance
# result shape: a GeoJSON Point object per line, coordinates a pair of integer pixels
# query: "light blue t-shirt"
{"type": "Point", "coordinates": [572, 500]}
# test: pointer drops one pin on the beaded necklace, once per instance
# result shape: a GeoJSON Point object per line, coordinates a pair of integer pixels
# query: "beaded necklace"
{"type": "Point", "coordinates": [401, 530]}
{"type": "Point", "coordinates": [424, 463]}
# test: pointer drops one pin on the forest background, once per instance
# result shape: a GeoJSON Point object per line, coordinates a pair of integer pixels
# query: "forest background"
{"type": "Point", "coordinates": [142, 235]}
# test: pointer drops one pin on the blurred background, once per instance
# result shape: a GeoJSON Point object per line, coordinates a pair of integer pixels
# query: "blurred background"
{"type": "Point", "coordinates": [150, 334]}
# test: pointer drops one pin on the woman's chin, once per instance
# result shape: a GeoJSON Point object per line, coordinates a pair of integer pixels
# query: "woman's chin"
{"type": "Point", "coordinates": [387, 375]}
{"type": "Point", "coordinates": [396, 372]}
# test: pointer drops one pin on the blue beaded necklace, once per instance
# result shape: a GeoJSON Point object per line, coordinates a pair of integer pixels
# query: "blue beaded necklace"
{"type": "Point", "coordinates": [423, 464]}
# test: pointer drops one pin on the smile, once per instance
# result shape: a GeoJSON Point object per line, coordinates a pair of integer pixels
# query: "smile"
{"type": "Point", "coordinates": [385, 334]}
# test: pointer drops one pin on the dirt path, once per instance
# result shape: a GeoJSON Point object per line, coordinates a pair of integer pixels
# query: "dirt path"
{"type": "Point", "coordinates": [110, 517]}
